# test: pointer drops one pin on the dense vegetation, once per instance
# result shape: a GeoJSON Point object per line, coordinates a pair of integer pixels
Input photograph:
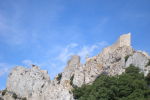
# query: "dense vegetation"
{"type": "Point", "coordinates": [131, 85]}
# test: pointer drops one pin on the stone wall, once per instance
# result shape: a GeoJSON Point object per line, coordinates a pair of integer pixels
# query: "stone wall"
{"type": "Point", "coordinates": [124, 40]}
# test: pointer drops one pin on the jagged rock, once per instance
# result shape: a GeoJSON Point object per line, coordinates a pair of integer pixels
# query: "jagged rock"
{"type": "Point", "coordinates": [27, 82]}
{"type": "Point", "coordinates": [58, 92]}
{"type": "Point", "coordinates": [140, 60]}
{"type": "Point", "coordinates": [35, 84]}
{"type": "Point", "coordinates": [69, 70]}
{"type": "Point", "coordinates": [79, 76]}
{"type": "Point", "coordinates": [110, 61]}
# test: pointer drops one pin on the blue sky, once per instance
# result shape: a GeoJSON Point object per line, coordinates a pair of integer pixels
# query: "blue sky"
{"type": "Point", "coordinates": [47, 32]}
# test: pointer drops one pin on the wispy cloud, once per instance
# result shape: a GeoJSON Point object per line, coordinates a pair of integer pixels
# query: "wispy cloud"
{"type": "Point", "coordinates": [89, 50]}
{"type": "Point", "coordinates": [82, 51]}
{"type": "Point", "coordinates": [66, 52]}
{"type": "Point", "coordinates": [4, 68]}
{"type": "Point", "coordinates": [86, 50]}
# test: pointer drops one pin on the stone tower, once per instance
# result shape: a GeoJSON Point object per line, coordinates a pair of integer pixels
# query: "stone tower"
{"type": "Point", "coordinates": [125, 40]}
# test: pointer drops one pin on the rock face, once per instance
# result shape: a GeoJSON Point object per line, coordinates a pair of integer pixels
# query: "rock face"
{"type": "Point", "coordinates": [28, 82]}
{"type": "Point", "coordinates": [35, 84]}
{"type": "Point", "coordinates": [140, 60]}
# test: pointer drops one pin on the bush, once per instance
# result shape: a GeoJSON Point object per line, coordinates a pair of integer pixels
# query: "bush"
{"type": "Point", "coordinates": [59, 77]}
{"type": "Point", "coordinates": [131, 85]}
{"type": "Point", "coordinates": [147, 78]}
{"type": "Point", "coordinates": [132, 70]}
{"type": "Point", "coordinates": [14, 96]}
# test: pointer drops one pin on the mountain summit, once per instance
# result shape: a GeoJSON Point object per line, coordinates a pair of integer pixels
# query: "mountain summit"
{"type": "Point", "coordinates": [35, 84]}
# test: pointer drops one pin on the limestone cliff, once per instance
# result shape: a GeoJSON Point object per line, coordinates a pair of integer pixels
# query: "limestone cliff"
{"type": "Point", "coordinates": [35, 84]}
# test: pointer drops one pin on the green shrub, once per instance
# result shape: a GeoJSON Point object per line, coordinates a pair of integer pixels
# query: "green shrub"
{"type": "Point", "coordinates": [59, 77]}
{"type": "Point", "coordinates": [131, 85]}
{"type": "Point", "coordinates": [14, 96]}
{"type": "Point", "coordinates": [147, 78]}
{"type": "Point", "coordinates": [132, 70]}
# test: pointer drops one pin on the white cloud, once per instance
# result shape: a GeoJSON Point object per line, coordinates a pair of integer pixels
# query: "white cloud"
{"type": "Point", "coordinates": [66, 52]}
{"type": "Point", "coordinates": [86, 50]}
{"type": "Point", "coordinates": [83, 51]}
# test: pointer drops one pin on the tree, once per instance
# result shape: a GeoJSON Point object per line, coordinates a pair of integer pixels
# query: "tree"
{"type": "Point", "coordinates": [131, 85]}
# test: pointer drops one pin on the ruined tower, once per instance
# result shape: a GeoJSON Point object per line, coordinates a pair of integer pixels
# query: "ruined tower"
{"type": "Point", "coordinates": [125, 40]}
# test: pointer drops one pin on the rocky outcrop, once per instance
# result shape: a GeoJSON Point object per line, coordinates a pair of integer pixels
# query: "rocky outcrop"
{"type": "Point", "coordinates": [35, 84]}
{"type": "Point", "coordinates": [72, 65]}
{"type": "Point", "coordinates": [27, 82]}
{"type": "Point", "coordinates": [141, 60]}
{"type": "Point", "coordinates": [110, 61]}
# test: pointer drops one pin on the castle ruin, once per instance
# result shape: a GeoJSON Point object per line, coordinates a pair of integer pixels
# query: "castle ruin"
{"type": "Point", "coordinates": [124, 40]}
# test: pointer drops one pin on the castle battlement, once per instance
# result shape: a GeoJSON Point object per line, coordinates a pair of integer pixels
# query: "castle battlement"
{"type": "Point", "coordinates": [124, 40]}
